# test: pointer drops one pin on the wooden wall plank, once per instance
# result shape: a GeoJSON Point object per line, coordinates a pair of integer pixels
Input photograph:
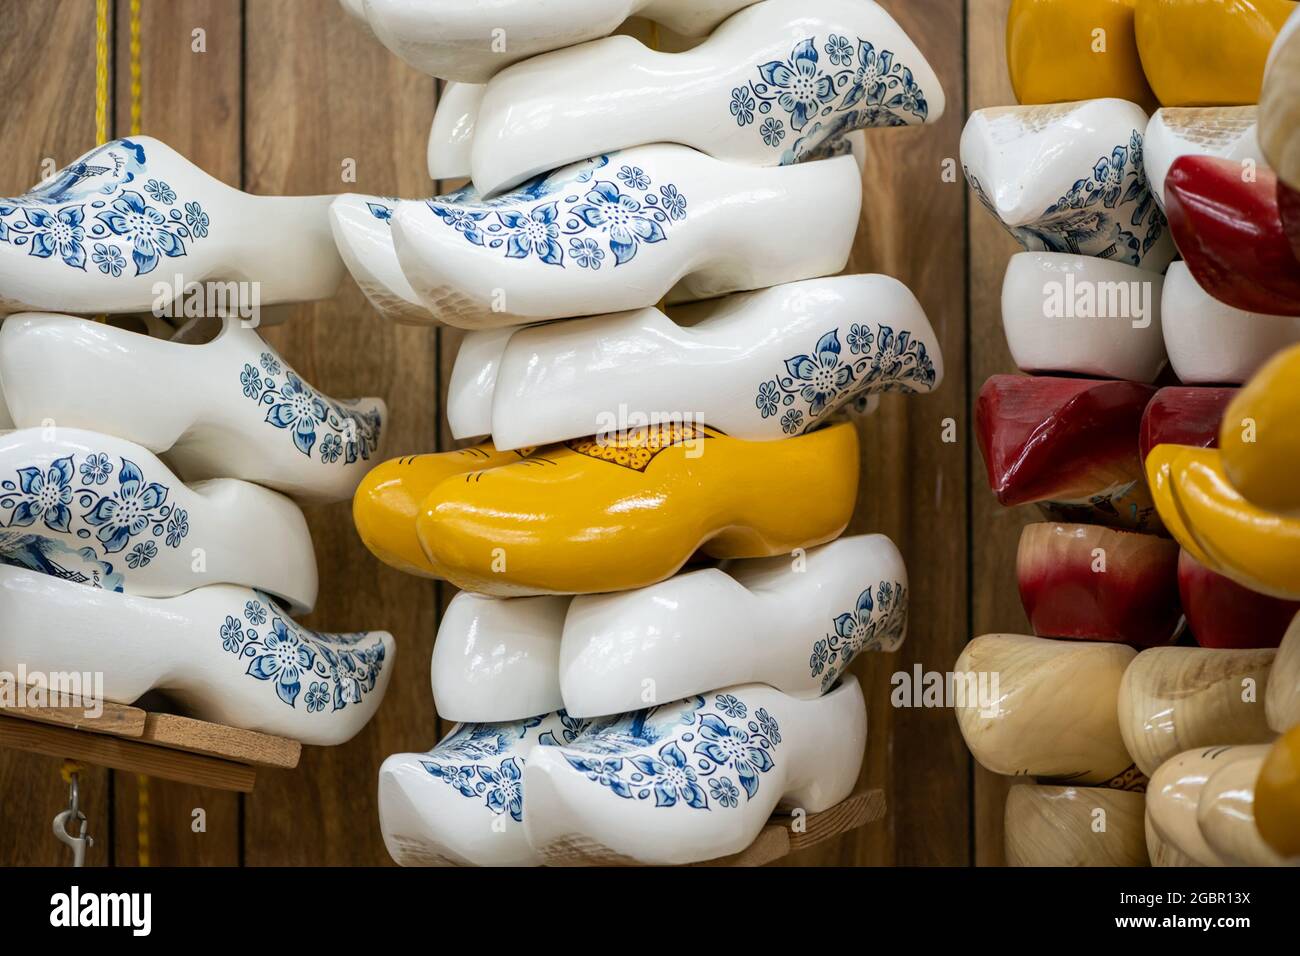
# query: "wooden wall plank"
{"type": "Point", "coordinates": [189, 99]}
{"type": "Point", "coordinates": [48, 74]}
{"type": "Point", "coordinates": [995, 600]}
{"type": "Point", "coordinates": [319, 90]}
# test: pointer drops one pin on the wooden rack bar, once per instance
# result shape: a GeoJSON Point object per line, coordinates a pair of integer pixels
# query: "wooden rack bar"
{"type": "Point", "coordinates": [159, 745]}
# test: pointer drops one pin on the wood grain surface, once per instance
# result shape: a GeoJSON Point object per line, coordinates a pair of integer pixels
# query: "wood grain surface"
{"type": "Point", "coordinates": [290, 95]}
{"type": "Point", "coordinates": [995, 600]}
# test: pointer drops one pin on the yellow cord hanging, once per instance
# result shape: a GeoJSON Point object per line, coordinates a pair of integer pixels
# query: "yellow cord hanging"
{"type": "Point", "coordinates": [101, 71]}
{"type": "Point", "coordinates": [135, 68]}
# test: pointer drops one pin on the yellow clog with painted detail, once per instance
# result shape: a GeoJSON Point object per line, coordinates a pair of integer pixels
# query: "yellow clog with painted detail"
{"type": "Point", "coordinates": [388, 499]}
{"type": "Point", "coordinates": [627, 511]}
{"type": "Point", "coordinates": [1277, 796]}
{"type": "Point", "coordinates": [1060, 51]}
{"type": "Point", "coordinates": [1258, 549]}
{"type": "Point", "coordinates": [1207, 52]}
{"type": "Point", "coordinates": [1259, 438]}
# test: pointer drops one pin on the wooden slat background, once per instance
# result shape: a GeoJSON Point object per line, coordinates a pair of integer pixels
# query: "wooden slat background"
{"type": "Point", "coordinates": [289, 93]}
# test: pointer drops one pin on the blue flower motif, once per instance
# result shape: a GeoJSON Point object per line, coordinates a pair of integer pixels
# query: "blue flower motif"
{"type": "Point", "coordinates": [251, 380]}
{"type": "Point", "coordinates": [142, 554]}
{"type": "Point", "coordinates": [819, 657]}
{"type": "Point", "coordinates": [178, 526]}
{"type": "Point", "coordinates": [621, 218]}
{"type": "Point", "coordinates": [804, 89]}
{"type": "Point", "coordinates": [536, 232]}
{"type": "Point", "coordinates": [869, 82]}
{"type": "Point", "coordinates": [255, 612]}
{"type": "Point", "coordinates": [380, 211]}
{"type": "Point", "coordinates": [767, 723]}
{"type": "Point", "coordinates": [146, 227]}
{"type": "Point", "coordinates": [317, 696]}
{"type": "Point", "coordinates": [767, 399]}
{"type": "Point", "coordinates": [286, 657]}
{"type": "Point", "coordinates": [732, 706]}
{"type": "Point", "coordinates": [457, 777]}
{"type": "Point", "coordinates": [586, 253]}
{"type": "Point", "coordinates": [773, 131]}
{"type": "Point", "coordinates": [856, 627]}
{"type": "Point", "coordinates": [96, 469]}
{"type": "Point", "coordinates": [860, 339]}
{"type": "Point", "coordinates": [505, 789]}
{"type": "Point", "coordinates": [673, 777]}
{"type": "Point", "coordinates": [791, 421]}
{"type": "Point", "coordinates": [232, 635]}
{"type": "Point", "coordinates": [60, 233]}
{"type": "Point", "coordinates": [824, 376]}
{"type": "Point", "coordinates": [331, 447]}
{"type": "Point", "coordinates": [47, 496]}
{"type": "Point", "coordinates": [635, 177]}
{"type": "Point", "coordinates": [462, 220]}
{"type": "Point", "coordinates": [297, 406]}
{"type": "Point", "coordinates": [742, 106]}
{"type": "Point", "coordinates": [839, 50]}
{"type": "Point", "coordinates": [160, 191]}
{"type": "Point", "coordinates": [605, 772]}
{"type": "Point", "coordinates": [674, 203]}
{"type": "Point", "coordinates": [724, 792]}
{"type": "Point", "coordinates": [109, 259]}
{"type": "Point", "coordinates": [270, 364]}
{"type": "Point", "coordinates": [1109, 175]}
{"type": "Point", "coordinates": [128, 511]}
{"type": "Point", "coordinates": [731, 747]}
{"type": "Point", "coordinates": [346, 675]}
{"type": "Point", "coordinates": [196, 219]}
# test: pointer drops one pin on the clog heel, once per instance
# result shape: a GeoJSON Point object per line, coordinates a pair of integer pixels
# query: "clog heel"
{"type": "Point", "coordinates": [693, 780]}
{"type": "Point", "coordinates": [1207, 52]}
{"type": "Point", "coordinates": [611, 514]}
{"type": "Point", "coordinates": [1054, 54]}
{"type": "Point", "coordinates": [388, 499]}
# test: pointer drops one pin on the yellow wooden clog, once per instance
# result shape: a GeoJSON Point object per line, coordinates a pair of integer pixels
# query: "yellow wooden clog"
{"type": "Point", "coordinates": [1277, 796]}
{"type": "Point", "coordinates": [1060, 51]}
{"type": "Point", "coordinates": [389, 498]}
{"type": "Point", "coordinates": [1259, 438]}
{"type": "Point", "coordinates": [1207, 52]}
{"type": "Point", "coordinates": [1258, 549]}
{"type": "Point", "coordinates": [610, 514]}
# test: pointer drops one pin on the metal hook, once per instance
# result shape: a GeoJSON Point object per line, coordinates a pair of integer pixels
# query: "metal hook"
{"type": "Point", "coordinates": [81, 842]}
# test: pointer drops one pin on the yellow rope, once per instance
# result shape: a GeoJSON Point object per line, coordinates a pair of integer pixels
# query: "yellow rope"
{"type": "Point", "coordinates": [101, 71]}
{"type": "Point", "coordinates": [135, 68]}
{"type": "Point", "coordinates": [142, 819]}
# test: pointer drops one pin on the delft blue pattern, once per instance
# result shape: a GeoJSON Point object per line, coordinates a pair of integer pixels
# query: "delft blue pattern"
{"type": "Point", "coordinates": [819, 101]}
{"type": "Point", "coordinates": [614, 217]}
{"type": "Point", "coordinates": [337, 668]}
{"type": "Point", "coordinates": [59, 560]}
{"type": "Point", "coordinates": [876, 622]}
{"type": "Point", "coordinates": [1078, 221]}
{"type": "Point", "coordinates": [295, 406]}
{"type": "Point", "coordinates": [692, 767]}
{"type": "Point", "coordinates": [880, 360]}
{"type": "Point", "coordinates": [467, 761]}
{"type": "Point", "coordinates": [113, 514]}
{"type": "Point", "coordinates": [143, 222]}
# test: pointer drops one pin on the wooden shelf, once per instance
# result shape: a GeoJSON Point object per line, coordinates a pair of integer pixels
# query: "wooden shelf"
{"type": "Point", "coordinates": [159, 745]}
{"type": "Point", "coordinates": [775, 841]}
